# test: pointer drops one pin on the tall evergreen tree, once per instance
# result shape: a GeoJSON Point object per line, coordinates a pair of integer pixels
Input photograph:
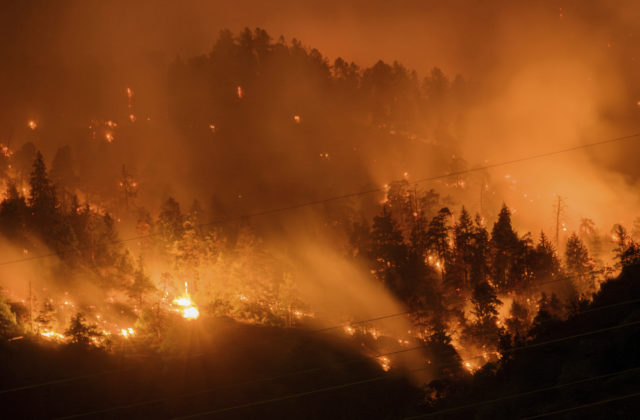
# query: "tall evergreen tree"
{"type": "Point", "coordinates": [438, 241]}
{"type": "Point", "coordinates": [42, 201]}
{"type": "Point", "coordinates": [579, 265]}
{"type": "Point", "coordinates": [389, 252]}
{"type": "Point", "coordinates": [545, 264]}
{"type": "Point", "coordinates": [480, 258]}
{"type": "Point", "coordinates": [463, 252]}
{"type": "Point", "coordinates": [504, 242]}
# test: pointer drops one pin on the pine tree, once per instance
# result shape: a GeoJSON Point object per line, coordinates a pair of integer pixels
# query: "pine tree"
{"type": "Point", "coordinates": [42, 201]}
{"type": "Point", "coordinates": [545, 264]}
{"type": "Point", "coordinates": [627, 251]}
{"type": "Point", "coordinates": [503, 246]}
{"type": "Point", "coordinates": [519, 321]}
{"type": "Point", "coordinates": [80, 332]}
{"type": "Point", "coordinates": [388, 249]}
{"type": "Point", "coordinates": [438, 242]}
{"type": "Point", "coordinates": [579, 265]}
{"type": "Point", "coordinates": [141, 285]}
{"type": "Point", "coordinates": [459, 274]}
{"type": "Point", "coordinates": [401, 204]}
{"type": "Point", "coordinates": [480, 258]}
{"type": "Point", "coordinates": [418, 236]}
{"type": "Point", "coordinates": [485, 304]}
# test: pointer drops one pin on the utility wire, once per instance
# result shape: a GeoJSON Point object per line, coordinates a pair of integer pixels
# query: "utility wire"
{"type": "Point", "coordinates": [521, 394]}
{"type": "Point", "coordinates": [342, 325]}
{"type": "Point", "coordinates": [343, 196]}
{"type": "Point", "coordinates": [579, 407]}
{"type": "Point", "coordinates": [345, 385]}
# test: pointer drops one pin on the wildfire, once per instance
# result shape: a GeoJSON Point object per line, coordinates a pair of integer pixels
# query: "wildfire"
{"type": "Point", "coordinates": [385, 363]}
{"type": "Point", "coordinates": [5, 150]}
{"type": "Point", "coordinates": [186, 306]}
{"type": "Point", "coordinates": [52, 335]}
{"type": "Point", "coordinates": [127, 332]}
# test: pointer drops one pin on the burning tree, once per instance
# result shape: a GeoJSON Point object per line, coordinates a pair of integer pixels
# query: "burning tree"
{"type": "Point", "coordinates": [81, 332]}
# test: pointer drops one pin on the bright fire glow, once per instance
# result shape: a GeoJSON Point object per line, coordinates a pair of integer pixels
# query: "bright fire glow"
{"type": "Point", "coordinates": [186, 307]}
{"type": "Point", "coordinates": [52, 335]}
{"type": "Point", "coordinates": [385, 363]}
{"type": "Point", "coordinates": [127, 332]}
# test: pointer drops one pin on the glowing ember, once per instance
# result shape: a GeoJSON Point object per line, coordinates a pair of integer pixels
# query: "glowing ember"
{"type": "Point", "coordinates": [385, 363]}
{"type": "Point", "coordinates": [5, 150]}
{"type": "Point", "coordinates": [297, 119]}
{"type": "Point", "coordinates": [240, 92]}
{"type": "Point", "coordinates": [132, 118]}
{"type": "Point", "coordinates": [32, 124]}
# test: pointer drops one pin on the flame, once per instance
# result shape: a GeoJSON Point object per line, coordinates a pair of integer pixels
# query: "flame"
{"type": "Point", "coordinates": [191, 312]}
{"type": "Point", "coordinates": [186, 306]}
{"type": "Point", "coordinates": [127, 332]}
{"type": "Point", "coordinates": [385, 363]}
{"type": "Point", "coordinates": [183, 301]}
{"type": "Point", "coordinates": [6, 151]}
{"type": "Point", "coordinates": [52, 335]}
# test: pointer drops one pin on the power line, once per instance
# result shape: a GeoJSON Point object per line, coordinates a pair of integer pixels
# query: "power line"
{"type": "Point", "coordinates": [342, 325]}
{"type": "Point", "coordinates": [381, 377]}
{"type": "Point", "coordinates": [521, 394]}
{"type": "Point", "coordinates": [579, 407]}
{"type": "Point", "coordinates": [343, 196]}
{"type": "Point", "coordinates": [311, 370]}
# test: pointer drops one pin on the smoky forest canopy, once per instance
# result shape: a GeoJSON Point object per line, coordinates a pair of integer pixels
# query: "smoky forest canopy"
{"type": "Point", "coordinates": [265, 192]}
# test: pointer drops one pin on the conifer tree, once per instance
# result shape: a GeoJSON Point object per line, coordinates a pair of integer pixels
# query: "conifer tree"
{"type": "Point", "coordinates": [42, 201]}
{"type": "Point", "coordinates": [579, 265]}
{"type": "Point", "coordinates": [389, 251]}
{"type": "Point", "coordinates": [503, 246]}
